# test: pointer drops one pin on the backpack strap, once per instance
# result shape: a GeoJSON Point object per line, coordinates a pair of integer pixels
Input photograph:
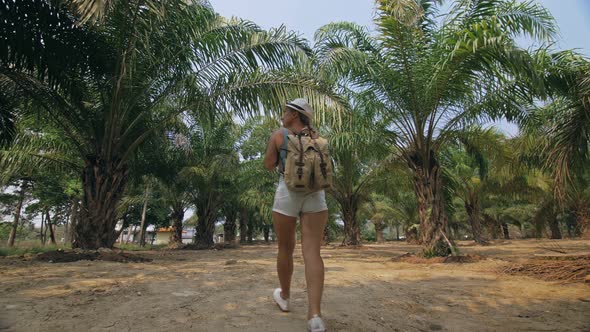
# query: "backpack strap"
{"type": "Point", "coordinates": [300, 164]}
{"type": "Point", "coordinates": [322, 161]}
{"type": "Point", "coordinates": [283, 152]}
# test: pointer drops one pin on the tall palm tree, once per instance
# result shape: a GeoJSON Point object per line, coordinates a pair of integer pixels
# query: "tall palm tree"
{"type": "Point", "coordinates": [431, 76]}
{"type": "Point", "coordinates": [106, 85]}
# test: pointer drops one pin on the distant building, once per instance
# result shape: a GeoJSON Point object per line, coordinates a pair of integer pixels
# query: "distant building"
{"type": "Point", "coordinates": [163, 235]}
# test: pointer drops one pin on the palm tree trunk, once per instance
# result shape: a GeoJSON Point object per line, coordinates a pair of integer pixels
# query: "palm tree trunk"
{"type": "Point", "coordinates": [42, 231]}
{"type": "Point", "coordinates": [250, 232]}
{"type": "Point", "coordinates": [428, 190]}
{"type": "Point", "coordinates": [17, 212]}
{"type": "Point", "coordinates": [266, 231]}
{"type": "Point", "coordinates": [67, 224]}
{"type": "Point", "coordinates": [523, 234]}
{"type": "Point", "coordinates": [352, 230]}
{"type": "Point", "coordinates": [583, 219]}
{"type": "Point", "coordinates": [103, 184]}
{"type": "Point", "coordinates": [554, 227]}
{"type": "Point", "coordinates": [142, 234]}
{"type": "Point", "coordinates": [177, 218]}
{"type": "Point", "coordinates": [326, 238]}
{"type": "Point", "coordinates": [229, 229]}
{"type": "Point", "coordinates": [50, 227]}
{"type": "Point", "coordinates": [74, 215]}
{"type": "Point", "coordinates": [379, 231]}
{"type": "Point", "coordinates": [472, 208]}
{"type": "Point", "coordinates": [492, 226]}
{"type": "Point", "coordinates": [411, 234]}
{"type": "Point", "coordinates": [205, 229]}
{"type": "Point", "coordinates": [45, 231]}
{"type": "Point", "coordinates": [143, 213]}
{"type": "Point", "coordinates": [539, 227]}
{"type": "Point", "coordinates": [243, 225]}
{"type": "Point", "coordinates": [397, 232]}
{"type": "Point", "coordinates": [505, 231]}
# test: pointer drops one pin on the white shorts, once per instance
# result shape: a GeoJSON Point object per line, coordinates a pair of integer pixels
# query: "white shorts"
{"type": "Point", "coordinates": [292, 203]}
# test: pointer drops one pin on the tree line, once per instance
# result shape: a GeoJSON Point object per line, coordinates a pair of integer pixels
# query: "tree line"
{"type": "Point", "coordinates": [133, 112]}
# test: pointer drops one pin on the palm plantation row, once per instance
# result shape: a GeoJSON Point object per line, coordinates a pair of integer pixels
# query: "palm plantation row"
{"type": "Point", "coordinates": [136, 111]}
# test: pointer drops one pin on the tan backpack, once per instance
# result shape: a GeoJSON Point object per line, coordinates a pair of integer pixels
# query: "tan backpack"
{"type": "Point", "coordinates": [306, 161]}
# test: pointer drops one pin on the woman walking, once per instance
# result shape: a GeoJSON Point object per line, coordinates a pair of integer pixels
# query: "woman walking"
{"type": "Point", "coordinates": [310, 208]}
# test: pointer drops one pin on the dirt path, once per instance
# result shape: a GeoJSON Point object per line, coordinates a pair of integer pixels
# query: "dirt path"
{"type": "Point", "coordinates": [230, 290]}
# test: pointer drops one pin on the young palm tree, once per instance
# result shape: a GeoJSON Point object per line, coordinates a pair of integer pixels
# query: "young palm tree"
{"type": "Point", "coordinates": [394, 186]}
{"type": "Point", "coordinates": [211, 173]}
{"type": "Point", "coordinates": [358, 146]}
{"type": "Point", "coordinates": [255, 186]}
{"type": "Point", "coordinates": [381, 211]}
{"type": "Point", "coordinates": [561, 129]}
{"type": "Point", "coordinates": [176, 196]}
{"type": "Point", "coordinates": [167, 161]}
{"type": "Point", "coordinates": [106, 85]}
{"type": "Point", "coordinates": [477, 164]}
{"type": "Point", "coordinates": [423, 74]}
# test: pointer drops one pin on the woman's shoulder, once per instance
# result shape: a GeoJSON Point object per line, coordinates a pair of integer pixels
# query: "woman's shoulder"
{"type": "Point", "coordinates": [278, 136]}
{"type": "Point", "coordinates": [280, 132]}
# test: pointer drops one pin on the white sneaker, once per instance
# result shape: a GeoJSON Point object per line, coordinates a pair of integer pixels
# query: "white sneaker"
{"type": "Point", "coordinates": [316, 324]}
{"type": "Point", "coordinates": [282, 303]}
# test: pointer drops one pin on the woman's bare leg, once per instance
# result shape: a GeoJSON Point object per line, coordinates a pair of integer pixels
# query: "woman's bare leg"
{"type": "Point", "coordinates": [312, 232]}
{"type": "Point", "coordinates": [284, 227]}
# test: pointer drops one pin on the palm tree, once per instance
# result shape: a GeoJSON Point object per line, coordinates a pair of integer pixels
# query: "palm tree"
{"type": "Point", "coordinates": [8, 104]}
{"type": "Point", "coordinates": [31, 162]}
{"type": "Point", "coordinates": [358, 146]}
{"type": "Point", "coordinates": [106, 85]}
{"type": "Point", "coordinates": [552, 195]}
{"type": "Point", "coordinates": [561, 129]}
{"type": "Point", "coordinates": [255, 185]}
{"type": "Point", "coordinates": [177, 198]}
{"type": "Point", "coordinates": [210, 175]}
{"type": "Point", "coordinates": [393, 187]}
{"type": "Point", "coordinates": [478, 164]}
{"type": "Point", "coordinates": [256, 197]}
{"type": "Point", "coordinates": [170, 158]}
{"type": "Point", "coordinates": [93, 10]}
{"type": "Point", "coordinates": [431, 78]}
{"type": "Point", "coordinates": [381, 211]}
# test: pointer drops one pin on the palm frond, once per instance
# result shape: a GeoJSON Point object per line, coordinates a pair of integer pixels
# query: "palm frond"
{"type": "Point", "coordinates": [32, 151]}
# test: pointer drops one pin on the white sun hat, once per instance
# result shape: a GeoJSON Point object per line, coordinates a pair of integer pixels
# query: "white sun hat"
{"type": "Point", "coordinates": [300, 105]}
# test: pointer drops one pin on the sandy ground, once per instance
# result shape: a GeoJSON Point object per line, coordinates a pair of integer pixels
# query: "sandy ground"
{"type": "Point", "coordinates": [230, 290]}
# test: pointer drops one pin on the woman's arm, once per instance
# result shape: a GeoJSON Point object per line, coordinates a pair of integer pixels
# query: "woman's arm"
{"type": "Point", "coordinates": [272, 151]}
